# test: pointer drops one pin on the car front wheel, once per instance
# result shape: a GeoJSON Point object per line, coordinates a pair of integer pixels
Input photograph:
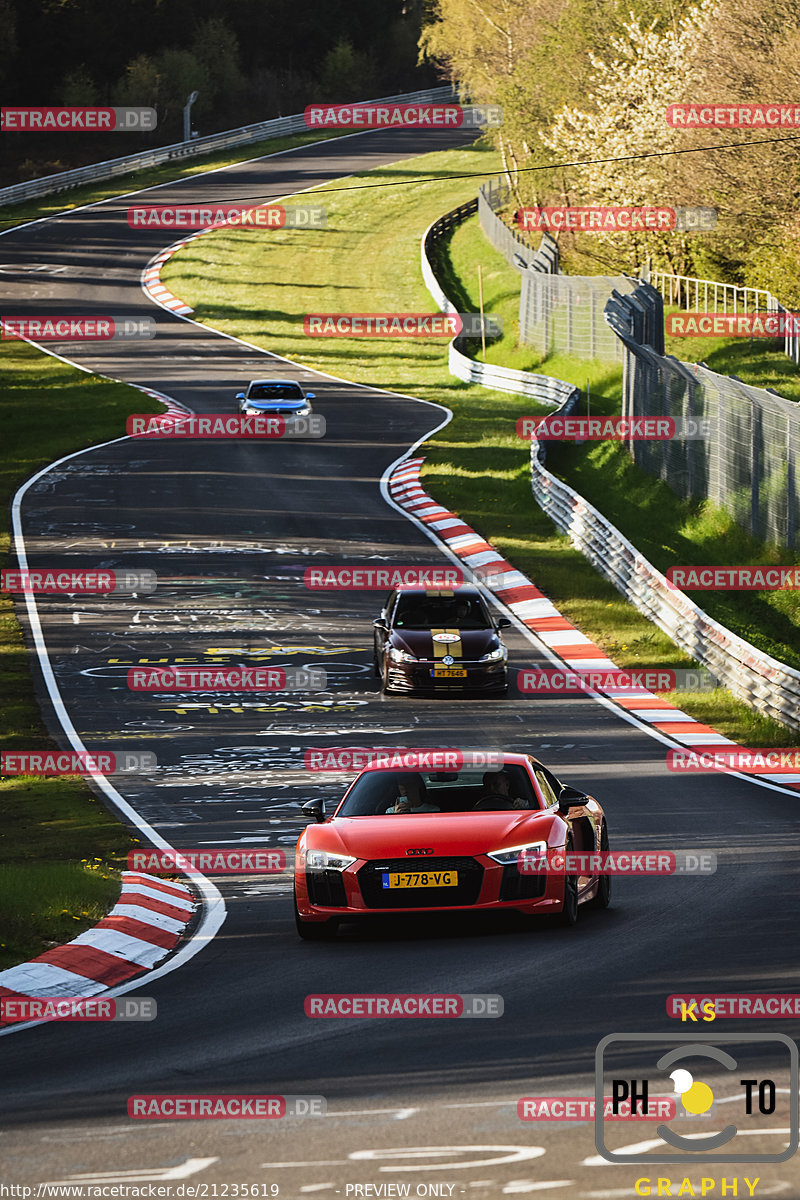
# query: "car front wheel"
{"type": "Point", "coordinates": [603, 897]}
{"type": "Point", "coordinates": [569, 911]}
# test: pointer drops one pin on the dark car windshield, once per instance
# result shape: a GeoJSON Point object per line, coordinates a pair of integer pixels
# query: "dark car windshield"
{"type": "Point", "coordinates": [378, 792]}
{"type": "Point", "coordinates": [275, 391]}
{"type": "Point", "coordinates": [440, 612]}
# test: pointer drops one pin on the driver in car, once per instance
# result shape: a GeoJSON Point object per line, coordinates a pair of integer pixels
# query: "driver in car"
{"type": "Point", "coordinates": [497, 788]}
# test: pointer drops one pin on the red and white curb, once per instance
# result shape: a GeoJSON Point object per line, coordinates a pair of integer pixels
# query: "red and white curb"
{"type": "Point", "coordinates": [151, 275]}
{"type": "Point", "coordinates": [143, 927]}
{"type": "Point", "coordinates": [174, 407]}
{"type": "Point", "coordinates": [151, 281]}
{"type": "Point", "coordinates": [543, 619]}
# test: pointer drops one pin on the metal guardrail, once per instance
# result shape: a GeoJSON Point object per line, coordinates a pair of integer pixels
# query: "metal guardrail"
{"type": "Point", "coordinates": [515, 248]}
{"type": "Point", "coordinates": [767, 685]}
{"type": "Point", "coordinates": [744, 455]}
{"type": "Point", "coordinates": [542, 388]}
{"type": "Point", "coordinates": [692, 294]}
{"type": "Point", "coordinates": [112, 167]}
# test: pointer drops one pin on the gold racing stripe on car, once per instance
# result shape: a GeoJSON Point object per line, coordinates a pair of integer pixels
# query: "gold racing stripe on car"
{"type": "Point", "coordinates": [440, 649]}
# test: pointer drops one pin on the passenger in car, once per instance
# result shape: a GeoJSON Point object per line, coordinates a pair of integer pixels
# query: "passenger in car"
{"type": "Point", "coordinates": [412, 798]}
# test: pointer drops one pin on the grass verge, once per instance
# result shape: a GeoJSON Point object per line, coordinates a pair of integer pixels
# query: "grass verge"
{"type": "Point", "coordinates": [60, 850]}
{"type": "Point", "coordinates": [245, 285]}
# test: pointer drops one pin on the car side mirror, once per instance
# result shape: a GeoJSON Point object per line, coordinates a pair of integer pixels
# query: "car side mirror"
{"type": "Point", "coordinates": [239, 396]}
{"type": "Point", "coordinates": [570, 797]}
{"type": "Point", "coordinates": [311, 396]}
{"type": "Point", "coordinates": [314, 808]}
{"type": "Point", "coordinates": [380, 623]}
{"type": "Point", "coordinates": [503, 623]}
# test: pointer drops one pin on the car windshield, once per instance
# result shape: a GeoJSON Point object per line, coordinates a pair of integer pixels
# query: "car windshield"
{"type": "Point", "coordinates": [275, 391]}
{"type": "Point", "coordinates": [378, 793]}
{"type": "Point", "coordinates": [440, 612]}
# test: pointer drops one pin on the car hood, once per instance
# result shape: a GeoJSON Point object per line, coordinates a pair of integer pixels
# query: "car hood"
{"type": "Point", "coordinates": [393, 835]}
{"type": "Point", "coordinates": [277, 406]}
{"type": "Point", "coordinates": [425, 643]}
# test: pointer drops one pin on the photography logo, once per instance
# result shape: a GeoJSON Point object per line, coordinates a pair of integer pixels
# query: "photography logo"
{"type": "Point", "coordinates": [689, 1062]}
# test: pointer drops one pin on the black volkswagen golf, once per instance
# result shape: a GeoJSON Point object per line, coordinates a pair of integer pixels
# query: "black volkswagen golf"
{"type": "Point", "coordinates": [438, 641]}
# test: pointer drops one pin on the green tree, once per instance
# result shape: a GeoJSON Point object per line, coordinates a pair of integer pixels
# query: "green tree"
{"type": "Point", "coordinates": [79, 88]}
{"type": "Point", "coordinates": [346, 74]}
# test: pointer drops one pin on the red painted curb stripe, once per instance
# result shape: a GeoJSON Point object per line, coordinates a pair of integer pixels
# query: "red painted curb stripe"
{"type": "Point", "coordinates": [166, 910]}
{"type": "Point", "coordinates": [93, 964]}
{"type": "Point", "coordinates": [140, 929]}
{"type": "Point", "coordinates": [158, 885]}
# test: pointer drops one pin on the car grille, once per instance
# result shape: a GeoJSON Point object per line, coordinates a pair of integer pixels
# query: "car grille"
{"type": "Point", "coordinates": [326, 889]}
{"type": "Point", "coordinates": [517, 886]}
{"type": "Point", "coordinates": [466, 891]}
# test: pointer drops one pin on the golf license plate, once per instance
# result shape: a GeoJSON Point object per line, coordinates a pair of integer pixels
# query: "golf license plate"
{"type": "Point", "coordinates": [448, 673]}
{"type": "Point", "coordinates": [417, 879]}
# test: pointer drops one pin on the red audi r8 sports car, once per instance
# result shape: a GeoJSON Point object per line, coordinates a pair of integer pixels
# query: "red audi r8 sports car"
{"type": "Point", "coordinates": [440, 641]}
{"type": "Point", "coordinates": [446, 841]}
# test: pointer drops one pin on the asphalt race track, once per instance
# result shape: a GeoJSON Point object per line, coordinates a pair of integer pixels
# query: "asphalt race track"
{"type": "Point", "coordinates": [229, 528]}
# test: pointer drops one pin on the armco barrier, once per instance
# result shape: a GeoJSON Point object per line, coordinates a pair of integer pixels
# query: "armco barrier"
{"type": "Point", "coordinates": [767, 685]}
{"type": "Point", "coordinates": [503, 379]}
{"type": "Point", "coordinates": [275, 128]}
{"type": "Point", "coordinates": [513, 246]}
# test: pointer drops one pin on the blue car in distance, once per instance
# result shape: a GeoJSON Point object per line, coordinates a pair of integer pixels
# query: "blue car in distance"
{"type": "Point", "coordinates": [275, 398]}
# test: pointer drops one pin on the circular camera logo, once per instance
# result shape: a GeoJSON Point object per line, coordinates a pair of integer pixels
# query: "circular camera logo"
{"type": "Point", "coordinates": [696, 1098]}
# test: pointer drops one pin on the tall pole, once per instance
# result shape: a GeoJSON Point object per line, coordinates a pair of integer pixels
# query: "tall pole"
{"type": "Point", "coordinates": [187, 116]}
{"type": "Point", "coordinates": [480, 300]}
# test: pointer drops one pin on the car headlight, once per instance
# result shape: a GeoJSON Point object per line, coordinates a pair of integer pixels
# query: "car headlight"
{"type": "Point", "coordinates": [398, 655]}
{"type": "Point", "coordinates": [325, 860]}
{"type": "Point", "coordinates": [302, 412]}
{"type": "Point", "coordinates": [494, 655]}
{"type": "Point", "coordinates": [514, 853]}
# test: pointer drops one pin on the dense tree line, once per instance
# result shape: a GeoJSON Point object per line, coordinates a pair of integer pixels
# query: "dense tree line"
{"type": "Point", "coordinates": [583, 80]}
{"type": "Point", "coordinates": [249, 61]}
